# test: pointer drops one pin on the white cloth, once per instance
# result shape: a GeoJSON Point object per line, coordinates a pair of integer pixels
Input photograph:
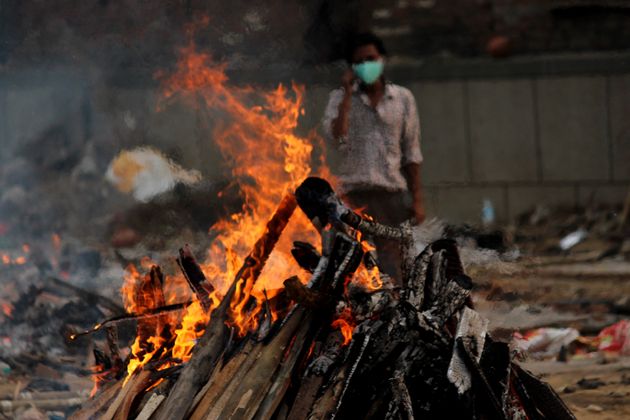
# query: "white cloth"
{"type": "Point", "coordinates": [380, 140]}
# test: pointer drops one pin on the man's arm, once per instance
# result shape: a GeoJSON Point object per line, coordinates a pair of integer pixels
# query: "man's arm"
{"type": "Point", "coordinates": [414, 184]}
{"type": "Point", "coordinates": [412, 156]}
{"type": "Point", "coordinates": [340, 124]}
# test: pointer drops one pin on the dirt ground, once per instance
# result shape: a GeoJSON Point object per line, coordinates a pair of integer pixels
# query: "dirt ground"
{"type": "Point", "coordinates": [579, 295]}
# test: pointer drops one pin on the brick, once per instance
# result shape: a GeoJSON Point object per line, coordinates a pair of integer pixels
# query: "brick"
{"type": "Point", "coordinates": [443, 136]}
{"type": "Point", "coordinates": [502, 130]}
{"type": "Point", "coordinates": [620, 125]}
{"type": "Point", "coordinates": [523, 199]}
{"type": "Point", "coordinates": [573, 128]}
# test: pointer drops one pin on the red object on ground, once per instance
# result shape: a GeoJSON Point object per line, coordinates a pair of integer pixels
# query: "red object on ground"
{"type": "Point", "coordinates": [615, 338]}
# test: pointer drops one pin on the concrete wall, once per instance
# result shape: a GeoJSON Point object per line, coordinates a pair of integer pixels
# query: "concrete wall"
{"type": "Point", "coordinates": [562, 140]}
{"type": "Point", "coordinates": [517, 139]}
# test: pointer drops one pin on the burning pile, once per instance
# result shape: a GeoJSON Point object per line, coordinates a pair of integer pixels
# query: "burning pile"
{"type": "Point", "coordinates": [288, 316]}
{"type": "Point", "coordinates": [334, 348]}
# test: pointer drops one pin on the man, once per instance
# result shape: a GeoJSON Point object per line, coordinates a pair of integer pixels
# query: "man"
{"type": "Point", "coordinates": [374, 130]}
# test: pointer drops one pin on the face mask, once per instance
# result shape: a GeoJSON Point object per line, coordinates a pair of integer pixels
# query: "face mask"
{"type": "Point", "coordinates": [368, 71]}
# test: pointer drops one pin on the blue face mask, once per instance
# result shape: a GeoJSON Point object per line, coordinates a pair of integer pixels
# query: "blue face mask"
{"type": "Point", "coordinates": [368, 71]}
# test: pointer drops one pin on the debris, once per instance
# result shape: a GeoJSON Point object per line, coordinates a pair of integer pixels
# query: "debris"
{"type": "Point", "coordinates": [572, 239]}
{"type": "Point", "coordinates": [594, 408]}
{"type": "Point", "coordinates": [615, 338]}
{"type": "Point", "coordinates": [146, 172]}
{"type": "Point", "coordinates": [592, 383]}
{"type": "Point", "coordinates": [546, 342]}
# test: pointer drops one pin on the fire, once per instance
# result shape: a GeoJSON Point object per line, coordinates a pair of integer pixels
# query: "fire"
{"type": "Point", "coordinates": [345, 323]}
{"type": "Point", "coordinates": [6, 259]}
{"type": "Point", "coordinates": [368, 278]}
{"type": "Point", "coordinates": [267, 158]}
{"type": "Point", "coordinates": [257, 137]}
{"type": "Point", "coordinates": [7, 309]}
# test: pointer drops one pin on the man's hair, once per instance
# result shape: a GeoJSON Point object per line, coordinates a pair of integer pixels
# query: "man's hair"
{"type": "Point", "coordinates": [365, 38]}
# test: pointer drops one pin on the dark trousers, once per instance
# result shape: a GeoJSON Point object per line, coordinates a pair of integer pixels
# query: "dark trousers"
{"type": "Point", "coordinates": [388, 208]}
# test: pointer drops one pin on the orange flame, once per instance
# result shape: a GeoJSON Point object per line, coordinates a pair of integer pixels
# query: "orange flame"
{"type": "Point", "coordinates": [256, 136]}
{"type": "Point", "coordinates": [7, 309]}
{"type": "Point", "coordinates": [345, 323]}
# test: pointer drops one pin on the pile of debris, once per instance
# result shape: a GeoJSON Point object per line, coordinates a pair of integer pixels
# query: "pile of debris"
{"type": "Point", "coordinates": [335, 348]}
{"type": "Point", "coordinates": [586, 234]}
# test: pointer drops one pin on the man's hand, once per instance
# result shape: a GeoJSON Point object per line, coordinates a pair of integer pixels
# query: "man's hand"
{"type": "Point", "coordinates": [340, 124]}
{"type": "Point", "coordinates": [419, 214]}
{"type": "Point", "coordinates": [414, 183]}
{"type": "Point", "coordinates": [347, 79]}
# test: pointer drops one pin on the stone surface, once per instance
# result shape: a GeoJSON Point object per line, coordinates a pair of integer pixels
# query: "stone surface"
{"type": "Point", "coordinates": [522, 199]}
{"type": "Point", "coordinates": [620, 125]}
{"type": "Point", "coordinates": [573, 128]}
{"type": "Point", "coordinates": [443, 135]}
{"type": "Point", "coordinates": [502, 130]}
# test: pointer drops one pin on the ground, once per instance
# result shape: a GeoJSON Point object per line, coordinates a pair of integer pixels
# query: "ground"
{"type": "Point", "coordinates": [540, 293]}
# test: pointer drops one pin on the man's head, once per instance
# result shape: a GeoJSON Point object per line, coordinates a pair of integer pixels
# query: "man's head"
{"type": "Point", "coordinates": [367, 57]}
{"type": "Point", "coordinates": [365, 47]}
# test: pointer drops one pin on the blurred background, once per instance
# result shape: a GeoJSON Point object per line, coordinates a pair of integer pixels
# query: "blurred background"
{"type": "Point", "coordinates": [524, 109]}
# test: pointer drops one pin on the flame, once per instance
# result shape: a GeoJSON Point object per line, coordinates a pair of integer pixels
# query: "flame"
{"type": "Point", "coordinates": [7, 309]}
{"type": "Point", "coordinates": [256, 137]}
{"type": "Point", "coordinates": [345, 323]}
{"type": "Point", "coordinates": [368, 278]}
{"type": "Point", "coordinates": [6, 259]}
{"type": "Point", "coordinates": [267, 158]}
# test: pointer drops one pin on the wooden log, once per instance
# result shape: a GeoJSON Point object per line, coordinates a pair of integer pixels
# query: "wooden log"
{"type": "Point", "coordinates": [89, 296]}
{"type": "Point", "coordinates": [92, 407]}
{"type": "Point", "coordinates": [221, 378]}
{"type": "Point", "coordinates": [250, 392]}
{"type": "Point", "coordinates": [150, 407]}
{"type": "Point", "coordinates": [195, 277]}
{"type": "Point", "coordinates": [114, 350]}
{"type": "Point", "coordinates": [211, 345]}
{"type": "Point", "coordinates": [129, 387]}
{"type": "Point", "coordinates": [135, 386]}
{"type": "Point", "coordinates": [281, 383]}
{"type": "Point", "coordinates": [9, 406]}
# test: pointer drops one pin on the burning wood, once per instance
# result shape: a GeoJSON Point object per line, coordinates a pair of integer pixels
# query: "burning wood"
{"type": "Point", "coordinates": [343, 350]}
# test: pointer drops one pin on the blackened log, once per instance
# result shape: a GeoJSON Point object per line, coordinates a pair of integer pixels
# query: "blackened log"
{"type": "Point", "coordinates": [305, 255]}
{"type": "Point", "coordinates": [148, 313]}
{"type": "Point", "coordinates": [414, 283]}
{"type": "Point", "coordinates": [400, 406]}
{"type": "Point", "coordinates": [485, 388]}
{"type": "Point", "coordinates": [542, 401]}
{"type": "Point", "coordinates": [195, 277]}
{"type": "Point", "coordinates": [212, 344]}
{"type": "Point", "coordinates": [111, 333]}
{"type": "Point", "coordinates": [301, 294]}
{"type": "Point", "coordinates": [90, 297]}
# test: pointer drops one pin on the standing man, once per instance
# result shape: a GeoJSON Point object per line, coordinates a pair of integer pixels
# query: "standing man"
{"type": "Point", "coordinates": [374, 129]}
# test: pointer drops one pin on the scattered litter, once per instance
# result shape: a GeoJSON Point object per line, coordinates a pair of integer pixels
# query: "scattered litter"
{"type": "Point", "coordinates": [615, 338]}
{"type": "Point", "coordinates": [572, 239]}
{"type": "Point", "coordinates": [594, 408]}
{"type": "Point", "coordinates": [145, 172]}
{"type": "Point", "coordinates": [593, 383]}
{"type": "Point", "coordinates": [546, 342]}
